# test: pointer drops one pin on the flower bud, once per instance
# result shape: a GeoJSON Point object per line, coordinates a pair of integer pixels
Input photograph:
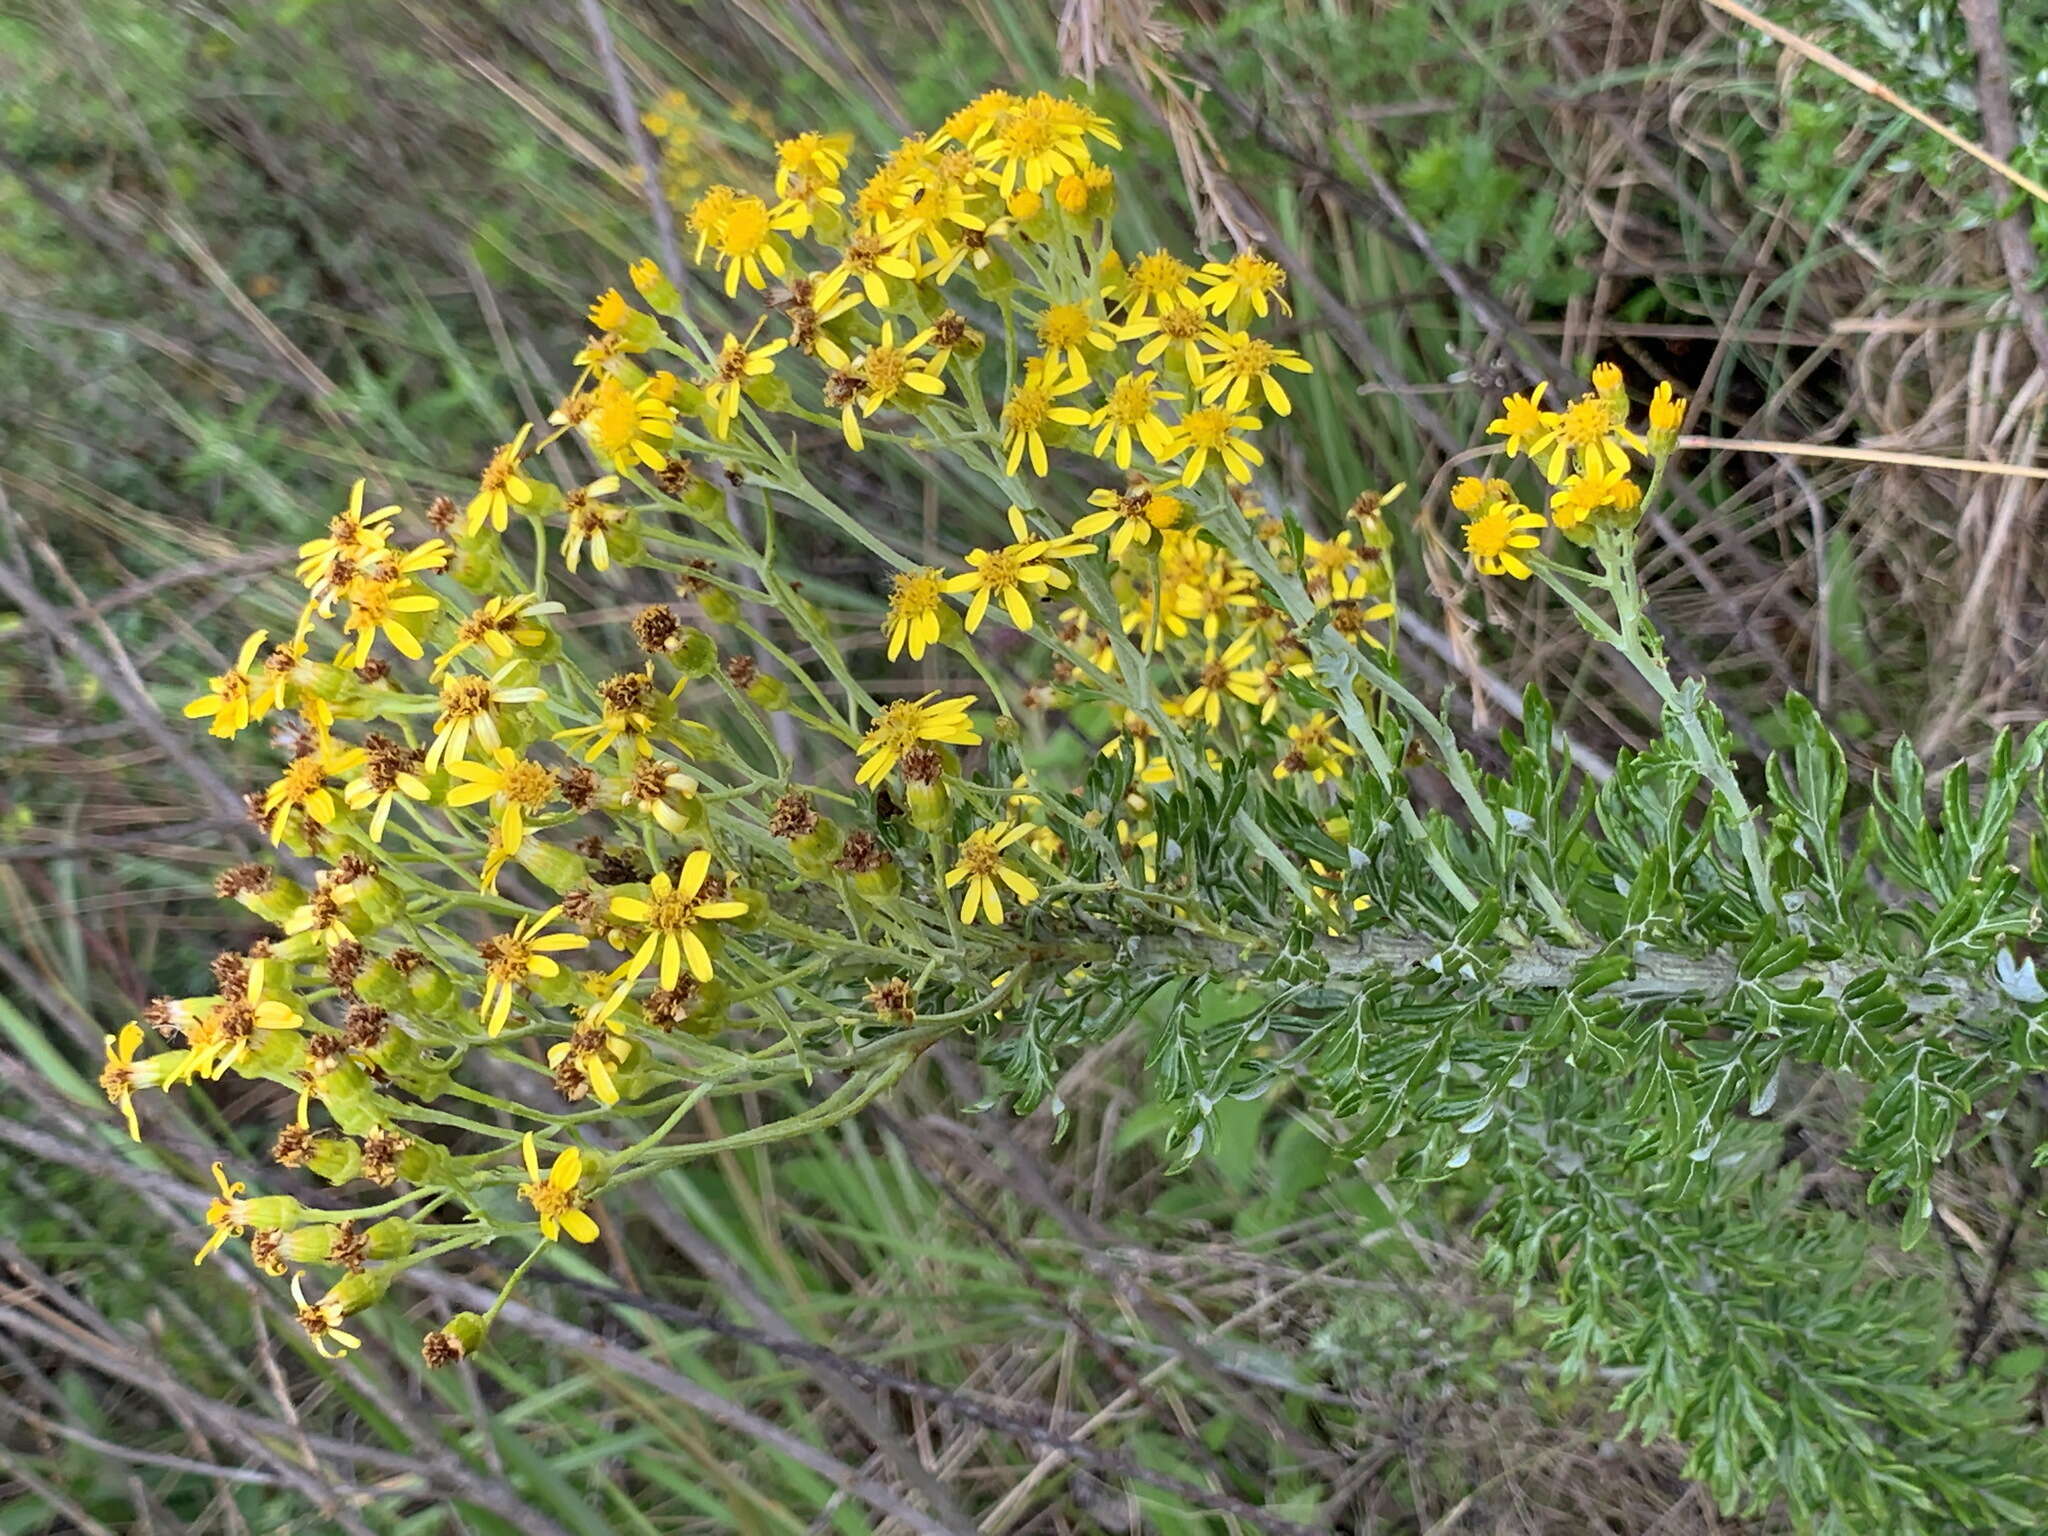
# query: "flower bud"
{"type": "Point", "coordinates": [930, 805]}
{"type": "Point", "coordinates": [479, 565]}
{"type": "Point", "coordinates": [814, 852]}
{"type": "Point", "coordinates": [458, 1338]}
{"type": "Point", "coordinates": [351, 1097]}
{"type": "Point", "coordinates": [770, 693]}
{"type": "Point", "coordinates": [336, 1159]}
{"type": "Point", "coordinates": [358, 1292]}
{"type": "Point", "coordinates": [719, 605]}
{"type": "Point", "coordinates": [429, 993]}
{"type": "Point", "coordinates": [552, 865]}
{"type": "Point", "coordinates": [655, 288]}
{"type": "Point", "coordinates": [379, 982]}
{"type": "Point", "coordinates": [695, 653]}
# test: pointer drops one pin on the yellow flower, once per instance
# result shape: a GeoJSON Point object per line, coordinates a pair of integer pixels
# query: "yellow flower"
{"type": "Point", "coordinates": [1528, 428]}
{"type": "Point", "coordinates": [981, 866]}
{"type": "Point", "coordinates": [555, 1199]}
{"type": "Point", "coordinates": [817, 156]}
{"type": "Point", "coordinates": [737, 362]}
{"type": "Point", "coordinates": [1181, 326]}
{"type": "Point", "coordinates": [322, 1320]}
{"type": "Point", "coordinates": [672, 911]}
{"type": "Point", "coordinates": [1315, 748]}
{"type": "Point", "coordinates": [1495, 537]}
{"type": "Point", "coordinates": [708, 213]}
{"type": "Point", "coordinates": [1224, 675]}
{"type": "Point", "coordinates": [386, 607]}
{"type": "Point", "coordinates": [653, 789]}
{"type": "Point", "coordinates": [119, 1077]}
{"type": "Point", "coordinates": [905, 723]}
{"type": "Point", "coordinates": [626, 703]}
{"type": "Point", "coordinates": [885, 371]}
{"type": "Point", "coordinates": [1032, 406]}
{"type": "Point", "coordinates": [231, 700]}
{"type": "Point", "coordinates": [590, 523]}
{"type": "Point", "coordinates": [1667, 415]}
{"type": "Point", "coordinates": [865, 265]}
{"type": "Point", "coordinates": [1037, 140]}
{"type": "Point", "coordinates": [1135, 513]}
{"type": "Point", "coordinates": [1211, 429]}
{"type": "Point", "coordinates": [1595, 490]}
{"type": "Point", "coordinates": [1471, 493]}
{"type": "Point", "coordinates": [354, 539]}
{"type": "Point", "coordinates": [1587, 430]}
{"type": "Point", "coordinates": [502, 485]}
{"type": "Point", "coordinates": [1155, 280]}
{"type": "Point", "coordinates": [1241, 359]}
{"type": "Point", "coordinates": [595, 1048]}
{"type": "Point", "coordinates": [502, 625]}
{"type": "Point", "coordinates": [1247, 279]}
{"type": "Point", "coordinates": [510, 958]}
{"type": "Point", "coordinates": [519, 785]}
{"type": "Point", "coordinates": [629, 428]}
{"type": "Point", "coordinates": [1065, 330]}
{"type": "Point", "coordinates": [469, 709]}
{"type": "Point", "coordinates": [1133, 408]}
{"type": "Point", "coordinates": [1004, 573]}
{"type": "Point", "coordinates": [389, 771]}
{"type": "Point", "coordinates": [746, 244]}
{"type": "Point", "coordinates": [913, 619]}
{"type": "Point", "coordinates": [302, 788]}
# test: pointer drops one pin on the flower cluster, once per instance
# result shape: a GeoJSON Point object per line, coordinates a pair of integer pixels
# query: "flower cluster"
{"type": "Point", "coordinates": [636, 867]}
{"type": "Point", "coordinates": [1587, 454]}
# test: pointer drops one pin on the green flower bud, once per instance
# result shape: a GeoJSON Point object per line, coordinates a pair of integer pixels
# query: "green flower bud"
{"type": "Point", "coordinates": [931, 807]}
{"type": "Point", "coordinates": [552, 865]}
{"type": "Point", "coordinates": [275, 900]}
{"type": "Point", "coordinates": [696, 653]}
{"type": "Point", "coordinates": [1006, 729]}
{"type": "Point", "coordinates": [719, 605]}
{"type": "Point", "coordinates": [654, 287]}
{"type": "Point", "coordinates": [624, 542]}
{"type": "Point", "coordinates": [879, 884]}
{"type": "Point", "coordinates": [478, 564]}
{"type": "Point", "coordinates": [816, 849]}
{"type": "Point", "coordinates": [297, 948]}
{"type": "Point", "coordinates": [392, 1238]}
{"type": "Point", "coordinates": [279, 1213]}
{"type": "Point", "coordinates": [457, 1339]}
{"type": "Point", "coordinates": [351, 1097]}
{"type": "Point", "coordinates": [770, 391]}
{"type": "Point", "coordinates": [770, 693]}
{"type": "Point", "coordinates": [705, 500]}
{"type": "Point", "coordinates": [380, 983]}
{"type": "Point", "coordinates": [429, 993]}
{"type": "Point", "coordinates": [335, 1159]}
{"type": "Point", "coordinates": [359, 1292]}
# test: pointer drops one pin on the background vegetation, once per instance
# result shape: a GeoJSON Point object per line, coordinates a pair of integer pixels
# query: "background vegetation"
{"type": "Point", "coordinates": [250, 251]}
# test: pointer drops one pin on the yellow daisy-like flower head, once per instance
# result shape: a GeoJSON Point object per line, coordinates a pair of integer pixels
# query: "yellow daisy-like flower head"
{"type": "Point", "coordinates": [232, 700]}
{"type": "Point", "coordinates": [501, 486]}
{"type": "Point", "coordinates": [1496, 536]}
{"type": "Point", "coordinates": [914, 609]}
{"type": "Point", "coordinates": [907, 722]}
{"type": "Point", "coordinates": [982, 868]}
{"type": "Point", "coordinates": [555, 1199]}
{"type": "Point", "coordinates": [1238, 360]}
{"type": "Point", "coordinates": [629, 428]}
{"type": "Point", "coordinates": [671, 912]}
{"type": "Point", "coordinates": [1586, 430]}
{"type": "Point", "coordinates": [737, 363]}
{"type": "Point", "coordinates": [1033, 407]}
{"type": "Point", "coordinates": [1214, 429]}
{"type": "Point", "coordinates": [1132, 411]}
{"type": "Point", "coordinates": [1008, 572]}
{"type": "Point", "coordinates": [1248, 281]}
{"type": "Point", "coordinates": [510, 958]}
{"type": "Point", "coordinates": [1528, 428]}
